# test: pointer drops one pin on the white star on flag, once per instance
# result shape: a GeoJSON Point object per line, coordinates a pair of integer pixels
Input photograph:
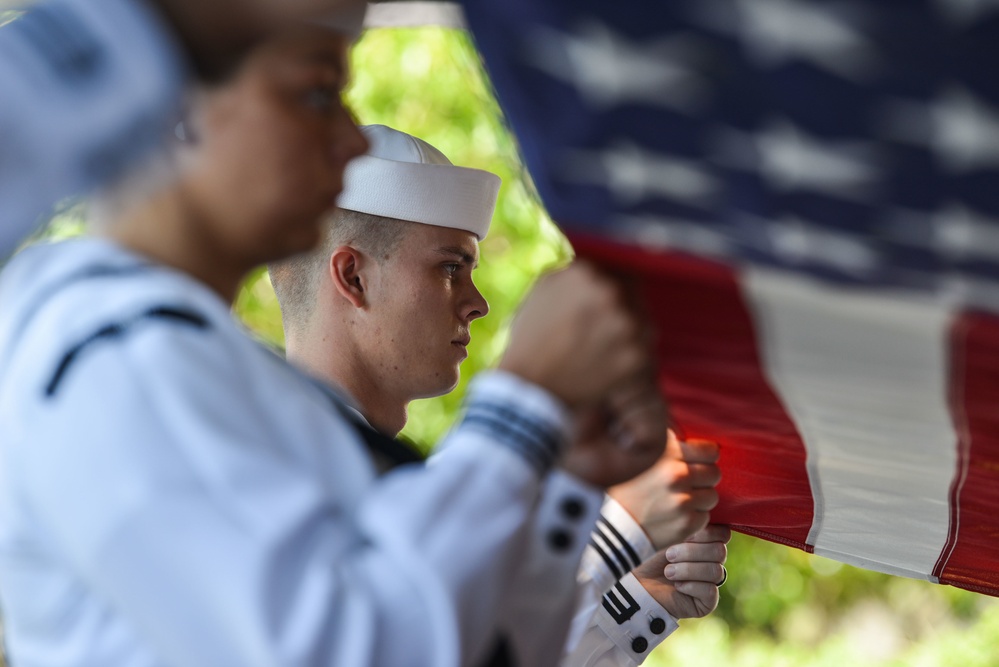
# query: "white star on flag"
{"type": "Point", "coordinates": [633, 174]}
{"type": "Point", "coordinates": [965, 234]}
{"type": "Point", "coordinates": [967, 131]}
{"type": "Point", "coordinates": [793, 160]}
{"type": "Point", "coordinates": [966, 12]}
{"type": "Point", "coordinates": [661, 232]}
{"type": "Point", "coordinates": [776, 31]}
{"type": "Point", "coordinates": [799, 241]}
{"type": "Point", "coordinates": [610, 69]}
{"type": "Point", "coordinates": [959, 127]}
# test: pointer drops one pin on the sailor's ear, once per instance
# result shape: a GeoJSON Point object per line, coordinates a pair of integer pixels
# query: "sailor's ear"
{"type": "Point", "coordinates": [346, 270]}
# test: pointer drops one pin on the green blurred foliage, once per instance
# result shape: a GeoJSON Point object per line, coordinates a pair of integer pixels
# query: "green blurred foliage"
{"type": "Point", "coordinates": [785, 607]}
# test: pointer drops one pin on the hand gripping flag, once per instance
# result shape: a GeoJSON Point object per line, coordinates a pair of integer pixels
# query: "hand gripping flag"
{"type": "Point", "coordinates": [806, 194]}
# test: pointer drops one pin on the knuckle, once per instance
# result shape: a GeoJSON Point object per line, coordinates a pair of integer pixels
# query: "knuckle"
{"type": "Point", "coordinates": [697, 521]}
{"type": "Point", "coordinates": [680, 471]}
{"type": "Point", "coordinates": [705, 499]}
{"type": "Point", "coordinates": [702, 474]}
{"type": "Point", "coordinates": [703, 451]}
{"type": "Point", "coordinates": [717, 534]}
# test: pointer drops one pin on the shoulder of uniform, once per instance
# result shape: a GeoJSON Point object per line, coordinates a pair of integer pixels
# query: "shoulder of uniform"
{"type": "Point", "coordinates": [67, 315]}
{"type": "Point", "coordinates": [117, 330]}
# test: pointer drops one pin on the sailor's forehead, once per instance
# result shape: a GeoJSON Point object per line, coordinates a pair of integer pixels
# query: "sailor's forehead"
{"type": "Point", "coordinates": [457, 243]}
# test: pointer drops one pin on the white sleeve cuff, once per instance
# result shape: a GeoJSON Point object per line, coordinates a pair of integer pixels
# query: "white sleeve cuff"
{"type": "Point", "coordinates": [624, 525]}
{"type": "Point", "coordinates": [633, 620]}
{"type": "Point", "coordinates": [617, 546]}
{"type": "Point", "coordinates": [568, 509]}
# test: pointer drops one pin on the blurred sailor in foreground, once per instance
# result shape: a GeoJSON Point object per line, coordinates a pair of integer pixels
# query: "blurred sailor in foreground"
{"type": "Point", "coordinates": [92, 86]}
{"type": "Point", "coordinates": [172, 493]}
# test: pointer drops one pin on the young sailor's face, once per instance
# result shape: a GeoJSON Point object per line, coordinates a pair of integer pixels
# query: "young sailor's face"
{"type": "Point", "coordinates": [422, 302]}
{"type": "Point", "coordinates": [270, 148]}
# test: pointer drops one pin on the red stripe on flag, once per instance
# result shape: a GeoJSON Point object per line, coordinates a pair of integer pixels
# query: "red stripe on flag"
{"type": "Point", "coordinates": [971, 558]}
{"type": "Point", "coordinates": [711, 373]}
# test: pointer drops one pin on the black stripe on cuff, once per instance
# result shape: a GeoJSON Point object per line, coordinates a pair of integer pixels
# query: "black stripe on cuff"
{"type": "Point", "coordinates": [621, 608]}
{"type": "Point", "coordinates": [624, 565]}
{"type": "Point", "coordinates": [635, 560]}
{"type": "Point", "coordinates": [611, 565]}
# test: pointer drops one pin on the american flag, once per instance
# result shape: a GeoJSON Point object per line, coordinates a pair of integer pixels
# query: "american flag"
{"type": "Point", "coordinates": [807, 195]}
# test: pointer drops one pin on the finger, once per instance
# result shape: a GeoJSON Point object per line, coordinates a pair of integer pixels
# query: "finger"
{"type": "Point", "coordinates": [700, 451]}
{"type": "Point", "coordinates": [714, 532]}
{"type": "Point", "coordinates": [673, 449]}
{"type": "Point", "coordinates": [710, 573]}
{"type": "Point", "coordinates": [697, 476]}
{"type": "Point", "coordinates": [697, 500]}
{"type": "Point", "coordinates": [696, 521]}
{"type": "Point", "coordinates": [672, 529]}
{"type": "Point", "coordinates": [694, 552]}
{"type": "Point", "coordinates": [704, 593]}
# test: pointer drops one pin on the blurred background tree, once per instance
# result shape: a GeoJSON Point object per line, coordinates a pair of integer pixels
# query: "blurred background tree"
{"type": "Point", "coordinates": [780, 606]}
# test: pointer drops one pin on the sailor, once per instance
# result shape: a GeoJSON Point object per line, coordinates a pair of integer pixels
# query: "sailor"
{"type": "Point", "coordinates": [172, 493]}
{"type": "Point", "coordinates": [382, 308]}
{"type": "Point", "coordinates": [92, 86]}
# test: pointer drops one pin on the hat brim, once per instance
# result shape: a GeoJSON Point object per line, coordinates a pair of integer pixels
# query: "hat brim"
{"type": "Point", "coordinates": [432, 194]}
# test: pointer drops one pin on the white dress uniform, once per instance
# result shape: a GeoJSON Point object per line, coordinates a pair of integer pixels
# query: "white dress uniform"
{"type": "Point", "coordinates": [173, 494]}
{"type": "Point", "coordinates": [88, 86]}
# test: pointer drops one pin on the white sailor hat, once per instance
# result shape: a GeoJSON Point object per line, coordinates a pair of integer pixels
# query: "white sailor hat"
{"type": "Point", "coordinates": [406, 178]}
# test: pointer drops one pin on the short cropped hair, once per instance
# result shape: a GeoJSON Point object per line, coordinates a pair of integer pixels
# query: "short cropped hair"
{"type": "Point", "coordinates": [296, 279]}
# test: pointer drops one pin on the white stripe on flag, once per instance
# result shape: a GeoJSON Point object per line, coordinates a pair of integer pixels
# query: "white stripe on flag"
{"type": "Point", "coordinates": [864, 376]}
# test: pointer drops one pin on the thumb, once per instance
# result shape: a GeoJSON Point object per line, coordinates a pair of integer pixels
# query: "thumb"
{"type": "Point", "coordinates": [674, 450]}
